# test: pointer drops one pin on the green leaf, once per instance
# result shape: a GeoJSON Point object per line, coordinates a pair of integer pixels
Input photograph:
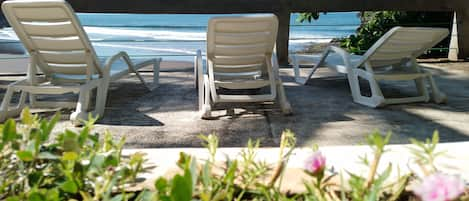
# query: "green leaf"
{"type": "Point", "coordinates": [13, 198]}
{"type": "Point", "coordinates": [181, 189]}
{"type": "Point", "coordinates": [86, 196]}
{"type": "Point", "coordinates": [192, 172]}
{"type": "Point", "coordinates": [53, 194]}
{"type": "Point", "coordinates": [206, 179]}
{"type": "Point", "coordinates": [35, 196]}
{"type": "Point", "coordinates": [118, 197]}
{"type": "Point", "coordinates": [98, 160]}
{"type": "Point", "coordinates": [47, 155]}
{"type": "Point", "coordinates": [230, 173]}
{"type": "Point", "coordinates": [25, 155]}
{"type": "Point", "coordinates": [111, 160]}
{"type": "Point", "coordinates": [435, 138]}
{"type": "Point", "coordinates": [70, 141]}
{"type": "Point", "coordinates": [69, 186]}
{"type": "Point", "coordinates": [69, 156]}
{"type": "Point", "coordinates": [9, 131]}
{"type": "Point", "coordinates": [31, 146]}
{"type": "Point", "coordinates": [34, 178]}
{"type": "Point", "coordinates": [26, 117]}
{"type": "Point", "coordinates": [161, 184]}
{"type": "Point", "coordinates": [85, 132]}
{"type": "Point", "coordinates": [145, 195]}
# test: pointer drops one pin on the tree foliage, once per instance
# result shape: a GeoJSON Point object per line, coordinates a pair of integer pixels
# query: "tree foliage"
{"type": "Point", "coordinates": [376, 24]}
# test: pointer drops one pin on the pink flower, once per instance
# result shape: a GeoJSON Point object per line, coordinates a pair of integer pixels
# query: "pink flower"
{"type": "Point", "coordinates": [439, 187]}
{"type": "Point", "coordinates": [316, 163]}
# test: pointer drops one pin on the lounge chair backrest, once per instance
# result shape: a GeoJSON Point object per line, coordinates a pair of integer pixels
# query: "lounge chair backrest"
{"type": "Point", "coordinates": [403, 42]}
{"type": "Point", "coordinates": [239, 46]}
{"type": "Point", "coordinates": [51, 31]}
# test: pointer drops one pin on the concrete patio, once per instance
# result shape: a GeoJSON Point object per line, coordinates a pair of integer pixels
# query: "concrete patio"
{"type": "Point", "coordinates": [324, 113]}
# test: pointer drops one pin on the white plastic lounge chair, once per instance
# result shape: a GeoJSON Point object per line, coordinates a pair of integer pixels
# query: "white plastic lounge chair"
{"type": "Point", "coordinates": [240, 55]}
{"type": "Point", "coordinates": [59, 47]}
{"type": "Point", "coordinates": [392, 57]}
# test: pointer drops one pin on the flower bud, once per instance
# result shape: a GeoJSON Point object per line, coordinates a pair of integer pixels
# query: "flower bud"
{"type": "Point", "coordinates": [316, 163]}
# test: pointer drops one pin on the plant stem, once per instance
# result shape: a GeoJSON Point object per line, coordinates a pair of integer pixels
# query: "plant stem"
{"type": "Point", "coordinates": [373, 168]}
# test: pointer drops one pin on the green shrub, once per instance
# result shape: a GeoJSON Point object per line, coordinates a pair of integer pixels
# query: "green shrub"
{"type": "Point", "coordinates": [74, 165]}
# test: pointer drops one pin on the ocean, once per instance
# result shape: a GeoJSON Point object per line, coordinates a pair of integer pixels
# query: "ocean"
{"type": "Point", "coordinates": [178, 36]}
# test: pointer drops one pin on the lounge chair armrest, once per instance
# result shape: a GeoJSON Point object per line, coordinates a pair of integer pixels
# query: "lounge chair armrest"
{"type": "Point", "coordinates": [338, 50]}
{"type": "Point", "coordinates": [343, 54]}
{"type": "Point", "coordinates": [114, 58]}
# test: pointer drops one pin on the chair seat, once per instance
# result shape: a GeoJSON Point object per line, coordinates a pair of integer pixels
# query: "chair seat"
{"type": "Point", "coordinates": [333, 61]}
{"type": "Point", "coordinates": [242, 84]}
{"type": "Point", "coordinates": [404, 73]}
{"type": "Point", "coordinates": [118, 70]}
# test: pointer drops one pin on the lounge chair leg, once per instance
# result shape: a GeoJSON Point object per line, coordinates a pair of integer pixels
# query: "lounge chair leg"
{"type": "Point", "coordinates": [196, 69]}
{"type": "Point", "coordinates": [156, 73]}
{"type": "Point", "coordinates": [142, 81]}
{"type": "Point", "coordinates": [101, 97]}
{"type": "Point", "coordinates": [421, 88]}
{"type": "Point", "coordinates": [206, 107]}
{"type": "Point", "coordinates": [22, 101]}
{"type": "Point", "coordinates": [376, 99]}
{"type": "Point", "coordinates": [437, 95]}
{"type": "Point", "coordinates": [297, 71]}
{"type": "Point", "coordinates": [282, 99]}
{"type": "Point", "coordinates": [81, 112]}
{"type": "Point", "coordinates": [4, 108]}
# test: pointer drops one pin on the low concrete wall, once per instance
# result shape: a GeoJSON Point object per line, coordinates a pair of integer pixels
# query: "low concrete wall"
{"type": "Point", "coordinates": [456, 161]}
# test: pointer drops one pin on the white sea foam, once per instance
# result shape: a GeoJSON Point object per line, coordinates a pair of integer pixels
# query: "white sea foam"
{"type": "Point", "coordinates": [103, 33]}
{"type": "Point", "coordinates": [166, 41]}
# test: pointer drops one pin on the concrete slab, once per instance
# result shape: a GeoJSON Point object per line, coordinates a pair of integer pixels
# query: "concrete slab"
{"type": "Point", "coordinates": [324, 113]}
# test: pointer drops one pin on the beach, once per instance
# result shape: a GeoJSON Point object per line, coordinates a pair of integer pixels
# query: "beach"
{"type": "Point", "coordinates": [174, 37]}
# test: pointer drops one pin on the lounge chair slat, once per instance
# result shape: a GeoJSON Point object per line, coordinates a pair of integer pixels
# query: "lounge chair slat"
{"type": "Point", "coordinates": [228, 50]}
{"type": "Point", "coordinates": [59, 43]}
{"type": "Point", "coordinates": [242, 27]}
{"type": "Point", "coordinates": [69, 70]}
{"type": "Point", "coordinates": [242, 38]}
{"type": "Point", "coordinates": [239, 60]}
{"type": "Point", "coordinates": [236, 70]}
{"type": "Point", "coordinates": [70, 57]}
{"type": "Point", "coordinates": [31, 13]}
{"type": "Point", "coordinates": [242, 84]}
{"type": "Point", "coordinates": [62, 29]}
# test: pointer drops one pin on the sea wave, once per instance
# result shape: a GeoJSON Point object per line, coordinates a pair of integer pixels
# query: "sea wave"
{"type": "Point", "coordinates": [168, 42]}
